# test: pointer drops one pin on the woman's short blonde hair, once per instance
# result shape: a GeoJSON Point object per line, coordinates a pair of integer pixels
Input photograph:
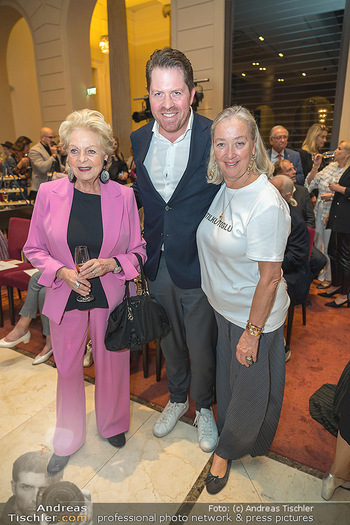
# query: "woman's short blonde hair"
{"type": "Point", "coordinates": [91, 120]}
{"type": "Point", "coordinates": [313, 132]}
{"type": "Point", "coordinates": [261, 162]}
{"type": "Point", "coordinates": [347, 147]}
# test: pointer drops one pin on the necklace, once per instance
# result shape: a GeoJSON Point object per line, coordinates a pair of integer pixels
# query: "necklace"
{"type": "Point", "coordinates": [249, 169]}
{"type": "Point", "coordinates": [224, 208]}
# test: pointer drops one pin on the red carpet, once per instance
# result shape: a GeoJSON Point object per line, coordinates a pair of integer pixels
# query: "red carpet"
{"type": "Point", "coordinates": [320, 351]}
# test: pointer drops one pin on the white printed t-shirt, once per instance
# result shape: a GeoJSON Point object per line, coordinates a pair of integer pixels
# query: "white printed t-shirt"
{"type": "Point", "coordinates": [254, 227]}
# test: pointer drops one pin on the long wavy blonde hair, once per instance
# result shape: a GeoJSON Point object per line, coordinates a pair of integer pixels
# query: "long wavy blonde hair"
{"type": "Point", "coordinates": [313, 132]}
{"type": "Point", "coordinates": [261, 162]}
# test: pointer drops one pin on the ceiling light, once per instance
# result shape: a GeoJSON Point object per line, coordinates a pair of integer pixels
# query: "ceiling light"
{"type": "Point", "coordinates": [303, 74]}
{"type": "Point", "coordinates": [280, 79]}
{"type": "Point", "coordinates": [262, 68]}
{"type": "Point", "coordinates": [280, 55]}
{"type": "Point", "coordinates": [261, 38]}
{"type": "Point", "coordinates": [244, 75]}
{"type": "Point", "coordinates": [255, 63]}
{"type": "Point", "coordinates": [104, 44]}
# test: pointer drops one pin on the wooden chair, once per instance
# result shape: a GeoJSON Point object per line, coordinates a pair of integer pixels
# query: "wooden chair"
{"type": "Point", "coordinates": [17, 236]}
{"type": "Point", "coordinates": [158, 360]}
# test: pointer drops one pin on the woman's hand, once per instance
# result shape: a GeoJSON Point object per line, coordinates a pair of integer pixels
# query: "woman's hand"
{"type": "Point", "coordinates": [247, 347]}
{"type": "Point", "coordinates": [97, 268]}
{"type": "Point", "coordinates": [326, 197]}
{"type": "Point", "coordinates": [333, 186]}
{"type": "Point", "coordinates": [317, 160]}
{"type": "Point", "coordinates": [74, 280]}
{"type": "Point", "coordinates": [325, 220]}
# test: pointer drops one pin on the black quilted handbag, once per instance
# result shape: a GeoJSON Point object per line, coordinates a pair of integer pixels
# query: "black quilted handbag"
{"type": "Point", "coordinates": [137, 320]}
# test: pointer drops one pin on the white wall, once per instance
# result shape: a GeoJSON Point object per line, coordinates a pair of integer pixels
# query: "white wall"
{"type": "Point", "coordinates": [198, 31]}
{"type": "Point", "coordinates": [24, 94]}
{"type": "Point", "coordinates": [344, 131]}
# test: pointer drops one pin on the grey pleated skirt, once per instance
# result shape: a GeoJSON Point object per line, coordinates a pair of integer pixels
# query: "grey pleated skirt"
{"type": "Point", "coordinates": [250, 399]}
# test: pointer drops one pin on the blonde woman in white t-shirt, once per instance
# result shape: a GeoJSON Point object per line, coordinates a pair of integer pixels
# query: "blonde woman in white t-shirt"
{"type": "Point", "coordinates": [241, 243]}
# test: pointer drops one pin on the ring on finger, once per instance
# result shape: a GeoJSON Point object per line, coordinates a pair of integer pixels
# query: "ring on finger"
{"type": "Point", "coordinates": [92, 272]}
{"type": "Point", "coordinates": [249, 360]}
{"type": "Point", "coordinates": [77, 284]}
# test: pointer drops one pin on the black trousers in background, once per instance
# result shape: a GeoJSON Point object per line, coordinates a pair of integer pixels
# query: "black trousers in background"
{"type": "Point", "coordinates": [189, 348]}
{"type": "Point", "coordinates": [339, 254]}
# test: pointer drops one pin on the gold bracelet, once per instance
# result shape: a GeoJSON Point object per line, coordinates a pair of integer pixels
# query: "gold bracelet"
{"type": "Point", "coordinates": [253, 330]}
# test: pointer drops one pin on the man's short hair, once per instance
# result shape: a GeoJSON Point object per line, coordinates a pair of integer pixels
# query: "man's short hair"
{"type": "Point", "coordinates": [278, 167]}
{"type": "Point", "coordinates": [170, 58]}
{"type": "Point", "coordinates": [29, 462]}
{"type": "Point", "coordinates": [272, 132]}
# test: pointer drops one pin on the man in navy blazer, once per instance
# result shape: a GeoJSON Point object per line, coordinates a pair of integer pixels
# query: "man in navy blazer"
{"type": "Point", "coordinates": [171, 156]}
{"type": "Point", "coordinates": [279, 151]}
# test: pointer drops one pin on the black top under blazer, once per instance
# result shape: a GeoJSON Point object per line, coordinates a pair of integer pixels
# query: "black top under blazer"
{"type": "Point", "coordinates": [339, 215]}
{"type": "Point", "coordinates": [175, 222]}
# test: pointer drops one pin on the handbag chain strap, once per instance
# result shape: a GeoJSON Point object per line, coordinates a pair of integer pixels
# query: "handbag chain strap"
{"type": "Point", "coordinates": [144, 285]}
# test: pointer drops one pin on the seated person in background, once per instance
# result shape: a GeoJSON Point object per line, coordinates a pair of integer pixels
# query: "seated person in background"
{"type": "Point", "coordinates": [131, 166]}
{"type": "Point", "coordinates": [295, 265]}
{"type": "Point", "coordinates": [62, 155]}
{"type": "Point", "coordinates": [279, 151]}
{"type": "Point", "coordinates": [116, 165]}
{"type": "Point", "coordinates": [20, 333]}
{"type": "Point", "coordinates": [6, 151]}
{"type": "Point", "coordinates": [19, 163]}
{"type": "Point", "coordinates": [284, 167]}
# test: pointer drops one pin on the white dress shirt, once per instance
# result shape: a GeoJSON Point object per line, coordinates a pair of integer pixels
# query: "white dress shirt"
{"type": "Point", "coordinates": [166, 161]}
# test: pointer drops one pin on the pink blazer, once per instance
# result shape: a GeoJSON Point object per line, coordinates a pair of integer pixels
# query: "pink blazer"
{"type": "Point", "coordinates": [48, 250]}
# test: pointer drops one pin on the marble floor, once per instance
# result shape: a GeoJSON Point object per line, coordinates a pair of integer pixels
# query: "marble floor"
{"type": "Point", "coordinates": [147, 469]}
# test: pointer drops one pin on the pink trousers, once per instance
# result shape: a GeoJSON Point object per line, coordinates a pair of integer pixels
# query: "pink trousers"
{"type": "Point", "coordinates": [112, 380]}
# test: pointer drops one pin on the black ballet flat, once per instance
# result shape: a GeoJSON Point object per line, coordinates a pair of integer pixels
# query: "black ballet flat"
{"type": "Point", "coordinates": [332, 294]}
{"type": "Point", "coordinates": [214, 484]}
{"type": "Point", "coordinates": [56, 464]}
{"type": "Point", "coordinates": [333, 304]}
{"type": "Point", "coordinates": [118, 440]}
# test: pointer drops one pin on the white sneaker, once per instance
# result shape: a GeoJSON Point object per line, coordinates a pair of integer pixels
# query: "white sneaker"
{"type": "Point", "coordinates": [207, 430]}
{"type": "Point", "coordinates": [169, 417]}
{"type": "Point", "coordinates": [288, 355]}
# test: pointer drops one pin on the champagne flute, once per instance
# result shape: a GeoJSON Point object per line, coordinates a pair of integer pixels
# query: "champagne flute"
{"type": "Point", "coordinates": [328, 155]}
{"type": "Point", "coordinates": [81, 256]}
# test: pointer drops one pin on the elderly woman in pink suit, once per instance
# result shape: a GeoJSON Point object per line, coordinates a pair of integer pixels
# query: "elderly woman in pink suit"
{"type": "Point", "coordinates": [85, 209]}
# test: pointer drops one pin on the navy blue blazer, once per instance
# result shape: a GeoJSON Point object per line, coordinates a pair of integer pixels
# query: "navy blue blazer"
{"type": "Point", "coordinates": [294, 158]}
{"type": "Point", "coordinates": [175, 222]}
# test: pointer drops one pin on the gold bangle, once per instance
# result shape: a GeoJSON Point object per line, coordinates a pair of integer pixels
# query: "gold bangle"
{"type": "Point", "coordinates": [253, 330]}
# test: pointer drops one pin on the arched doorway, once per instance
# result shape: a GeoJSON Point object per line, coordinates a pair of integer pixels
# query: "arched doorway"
{"type": "Point", "coordinates": [19, 81]}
